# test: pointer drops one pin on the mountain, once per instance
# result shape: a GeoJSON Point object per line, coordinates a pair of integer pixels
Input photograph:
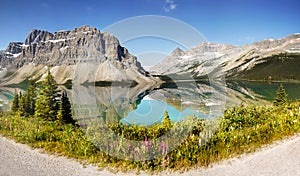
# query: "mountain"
{"type": "Point", "coordinates": [83, 55]}
{"type": "Point", "coordinates": [265, 60]}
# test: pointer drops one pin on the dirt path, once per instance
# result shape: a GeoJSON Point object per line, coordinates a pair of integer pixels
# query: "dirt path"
{"type": "Point", "coordinates": [282, 158]}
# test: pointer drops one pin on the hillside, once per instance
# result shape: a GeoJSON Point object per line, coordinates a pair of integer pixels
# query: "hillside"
{"type": "Point", "coordinates": [265, 60]}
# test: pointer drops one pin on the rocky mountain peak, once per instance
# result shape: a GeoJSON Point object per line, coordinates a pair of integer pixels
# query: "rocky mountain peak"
{"type": "Point", "coordinates": [294, 36]}
{"type": "Point", "coordinates": [14, 48]}
{"type": "Point", "coordinates": [211, 47]}
{"type": "Point", "coordinates": [177, 52]}
{"type": "Point", "coordinates": [66, 48]}
{"type": "Point", "coordinates": [85, 28]}
{"type": "Point", "coordinates": [277, 43]}
{"type": "Point", "coordinates": [235, 60]}
{"type": "Point", "coordinates": [38, 36]}
{"type": "Point", "coordinates": [69, 47]}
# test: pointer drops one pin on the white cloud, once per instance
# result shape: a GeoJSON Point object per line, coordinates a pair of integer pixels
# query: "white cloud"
{"type": "Point", "coordinates": [169, 5]}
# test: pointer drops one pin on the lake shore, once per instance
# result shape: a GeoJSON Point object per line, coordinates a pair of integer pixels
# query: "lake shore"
{"type": "Point", "coordinates": [280, 158]}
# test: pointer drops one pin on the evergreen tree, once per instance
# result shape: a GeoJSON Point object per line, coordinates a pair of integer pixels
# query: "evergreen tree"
{"type": "Point", "coordinates": [23, 105]}
{"type": "Point", "coordinates": [60, 118]}
{"type": "Point", "coordinates": [15, 102]}
{"type": "Point", "coordinates": [31, 97]}
{"type": "Point", "coordinates": [47, 103]}
{"type": "Point", "coordinates": [166, 122]}
{"type": "Point", "coordinates": [65, 113]}
{"type": "Point", "coordinates": [281, 96]}
{"type": "Point", "coordinates": [26, 102]}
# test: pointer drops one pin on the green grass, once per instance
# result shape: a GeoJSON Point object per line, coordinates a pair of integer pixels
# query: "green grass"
{"type": "Point", "coordinates": [65, 140]}
{"type": "Point", "coordinates": [243, 129]}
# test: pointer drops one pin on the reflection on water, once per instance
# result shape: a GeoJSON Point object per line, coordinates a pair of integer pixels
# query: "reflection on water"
{"type": "Point", "coordinates": [6, 95]}
{"type": "Point", "coordinates": [145, 105]}
{"type": "Point", "coordinates": [151, 111]}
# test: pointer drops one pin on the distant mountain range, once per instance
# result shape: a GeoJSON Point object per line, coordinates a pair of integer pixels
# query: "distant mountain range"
{"type": "Point", "coordinates": [265, 60]}
{"type": "Point", "coordinates": [86, 55]}
{"type": "Point", "coordinates": [83, 55]}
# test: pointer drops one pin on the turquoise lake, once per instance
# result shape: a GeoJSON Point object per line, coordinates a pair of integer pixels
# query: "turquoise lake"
{"type": "Point", "coordinates": [145, 106]}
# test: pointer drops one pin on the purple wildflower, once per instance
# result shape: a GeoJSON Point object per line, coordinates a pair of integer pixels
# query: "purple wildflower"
{"type": "Point", "coordinates": [163, 164]}
{"type": "Point", "coordinates": [149, 144]}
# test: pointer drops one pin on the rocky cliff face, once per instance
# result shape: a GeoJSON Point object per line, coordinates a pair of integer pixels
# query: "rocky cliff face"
{"type": "Point", "coordinates": [268, 59]}
{"type": "Point", "coordinates": [84, 46]}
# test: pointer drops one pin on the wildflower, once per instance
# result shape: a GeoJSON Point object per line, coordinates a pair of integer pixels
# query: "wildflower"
{"type": "Point", "coordinates": [163, 164]}
{"type": "Point", "coordinates": [149, 144]}
{"type": "Point", "coordinates": [164, 148]}
{"type": "Point", "coordinates": [162, 145]}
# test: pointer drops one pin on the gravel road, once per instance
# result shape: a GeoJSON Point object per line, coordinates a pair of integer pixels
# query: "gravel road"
{"type": "Point", "coordinates": [20, 160]}
{"type": "Point", "coordinates": [278, 159]}
{"type": "Point", "coordinates": [282, 158]}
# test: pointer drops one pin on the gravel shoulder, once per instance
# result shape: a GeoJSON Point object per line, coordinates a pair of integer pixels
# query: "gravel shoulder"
{"type": "Point", "coordinates": [281, 158]}
{"type": "Point", "coordinates": [21, 160]}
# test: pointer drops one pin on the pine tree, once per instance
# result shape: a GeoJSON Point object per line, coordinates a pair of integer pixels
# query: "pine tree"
{"type": "Point", "coordinates": [15, 102]}
{"type": "Point", "coordinates": [166, 122]}
{"type": "Point", "coordinates": [47, 103]}
{"type": "Point", "coordinates": [31, 97]}
{"type": "Point", "coordinates": [281, 96]}
{"type": "Point", "coordinates": [26, 101]}
{"type": "Point", "coordinates": [65, 110]}
{"type": "Point", "coordinates": [23, 105]}
{"type": "Point", "coordinates": [60, 118]}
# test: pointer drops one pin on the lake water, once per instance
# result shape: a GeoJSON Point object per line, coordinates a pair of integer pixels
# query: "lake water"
{"type": "Point", "coordinates": [147, 105]}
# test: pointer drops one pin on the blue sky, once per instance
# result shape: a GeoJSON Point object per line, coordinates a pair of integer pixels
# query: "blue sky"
{"type": "Point", "coordinates": [236, 22]}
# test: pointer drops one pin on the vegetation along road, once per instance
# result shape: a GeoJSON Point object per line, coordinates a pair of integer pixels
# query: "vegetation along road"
{"type": "Point", "coordinates": [281, 158]}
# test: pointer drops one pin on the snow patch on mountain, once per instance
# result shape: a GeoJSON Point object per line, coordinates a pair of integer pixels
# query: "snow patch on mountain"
{"type": "Point", "coordinates": [208, 57]}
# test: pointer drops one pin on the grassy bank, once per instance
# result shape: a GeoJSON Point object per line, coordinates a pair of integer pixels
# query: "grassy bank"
{"type": "Point", "coordinates": [242, 129]}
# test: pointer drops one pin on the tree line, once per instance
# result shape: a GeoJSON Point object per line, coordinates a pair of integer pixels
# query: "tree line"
{"type": "Point", "coordinates": [44, 102]}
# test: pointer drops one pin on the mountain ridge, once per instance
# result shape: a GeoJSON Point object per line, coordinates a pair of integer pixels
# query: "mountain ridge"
{"type": "Point", "coordinates": [70, 51]}
{"type": "Point", "coordinates": [77, 54]}
{"type": "Point", "coordinates": [236, 62]}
